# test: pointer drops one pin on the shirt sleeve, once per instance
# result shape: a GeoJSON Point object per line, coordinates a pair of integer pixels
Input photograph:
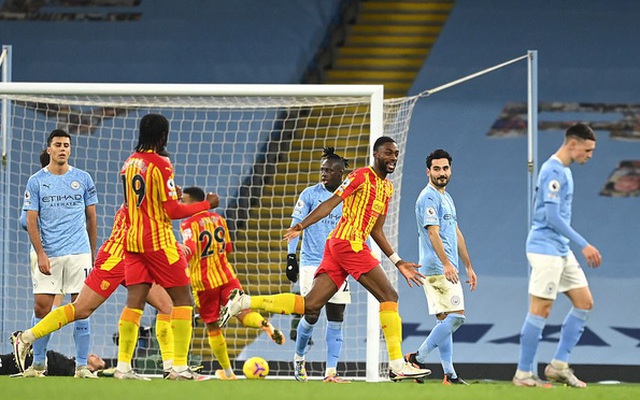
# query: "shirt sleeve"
{"type": "Point", "coordinates": [32, 196]}
{"type": "Point", "coordinates": [350, 184]}
{"type": "Point", "coordinates": [552, 183]}
{"type": "Point", "coordinates": [431, 211]}
{"type": "Point", "coordinates": [91, 193]}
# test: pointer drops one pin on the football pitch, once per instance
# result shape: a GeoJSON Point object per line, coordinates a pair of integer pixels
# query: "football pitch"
{"type": "Point", "coordinates": [106, 388]}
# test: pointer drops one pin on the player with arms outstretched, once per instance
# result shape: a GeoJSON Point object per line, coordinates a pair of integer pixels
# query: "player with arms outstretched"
{"type": "Point", "coordinates": [208, 242]}
{"type": "Point", "coordinates": [151, 253]}
{"type": "Point", "coordinates": [366, 194]}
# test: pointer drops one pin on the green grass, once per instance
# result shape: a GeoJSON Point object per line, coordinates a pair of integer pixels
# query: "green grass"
{"type": "Point", "coordinates": [54, 388]}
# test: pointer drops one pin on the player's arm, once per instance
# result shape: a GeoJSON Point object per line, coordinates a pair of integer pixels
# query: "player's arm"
{"type": "Point", "coordinates": [36, 241]}
{"type": "Point", "coordinates": [177, 210]}
{"type": "Point", "coordinates": [92, 228]}
{"type": "Point", "coordinates": [554, 219]}
{"type": "Point", "coordinates": [408, 269]}
{"type": "Point", "coordinates": [463, 253]}
{"type": "Point", "coordinates": [316, 215]}
{"type": "Point", "coordinates": [450, 272]}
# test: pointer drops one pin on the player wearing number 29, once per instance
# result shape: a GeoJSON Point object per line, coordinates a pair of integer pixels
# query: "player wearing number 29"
{"type": "Point", "coordinates": [366, 194]}
{"type": "Point", "coordinates": [208, 242]}
{"type": "Point", "coordinates": [152, 254]}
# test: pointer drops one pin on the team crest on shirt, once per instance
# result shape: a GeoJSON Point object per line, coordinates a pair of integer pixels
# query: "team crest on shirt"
{"type": "Point", "coordinates": [75, 185]}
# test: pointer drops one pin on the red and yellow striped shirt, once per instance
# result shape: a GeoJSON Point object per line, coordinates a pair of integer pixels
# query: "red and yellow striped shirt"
{"type": "Point", "coordinates": [365, 197]}
{"type": "Point", "coordinates": [114, 244]}
{"type": "Point", "coordinates": [148, 183]}
{"type": "Point", "coordinates": [207, 235]}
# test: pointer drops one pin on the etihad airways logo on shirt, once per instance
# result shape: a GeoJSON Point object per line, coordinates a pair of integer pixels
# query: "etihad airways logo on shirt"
{"type": "Point", "coordinates": [67, 197]}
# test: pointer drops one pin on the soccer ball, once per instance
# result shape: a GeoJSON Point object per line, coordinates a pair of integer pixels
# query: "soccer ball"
{"type": "Point", "coordinates": [255, 368]}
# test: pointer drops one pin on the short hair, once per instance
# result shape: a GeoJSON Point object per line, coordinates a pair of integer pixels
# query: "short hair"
{"type": "Point", "coordinates": [154, 129]}
{"type": "Point", "coordinates": [57, 133]}
{"type": "Point", "coordinates": [194, 192]}
{"type": "Point", "coordinates": [328, 153]}
{"type": "Point", "coordinates": [437, 155]}
{"type": "Point", "coordinates": [382, 140]}
{"type": "Point", "coordinates": [45, 158]}
{"type": "Point", "coordinates": [580, 131]}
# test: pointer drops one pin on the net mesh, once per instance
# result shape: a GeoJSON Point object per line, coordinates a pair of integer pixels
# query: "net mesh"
{"type": "Point", "coordinates": [257, 153]}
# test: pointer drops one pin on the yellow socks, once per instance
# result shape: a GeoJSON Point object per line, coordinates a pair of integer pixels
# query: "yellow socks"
{"type": "Point", "coordinates": [164, 334]}
{"type": "Point", "coordinates": [253, 319]}
{"type": "Point", "coordinates": [285, 303]}
{"type": "Point", "coordinates": [181, 324]}
{"type": "Point", "coordinates": [128, 329]}
{"type": "Point", "coordinates": [55, 320]}
{"type": "Point", "coordinates": [219, 347]}
{"type": "Point", "coordinates": [392, 328]}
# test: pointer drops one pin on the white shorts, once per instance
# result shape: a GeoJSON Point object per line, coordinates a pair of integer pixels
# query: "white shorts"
{"type": "Point", "coordinates": [67, 274]}
{"type": "Point", "coordinates": [551, 275]}
{"type": "Point", "coordinates": [442, 295]}
{"type": "Point", "coordinates": [342, 296]}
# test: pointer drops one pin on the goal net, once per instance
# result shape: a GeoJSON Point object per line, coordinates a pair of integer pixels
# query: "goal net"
{"type": "Point", "coordinates": [256, 146]}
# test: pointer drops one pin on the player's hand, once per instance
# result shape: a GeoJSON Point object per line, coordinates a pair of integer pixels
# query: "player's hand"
{"type": "Point", "coordinates": [592, 255]}
{"type": "Point", "coordinates": [410, 272]}
{"type": "Point", "coordinates": [44, 265]}
{"type": "Point", "coordinates": [292, 268]}
{"type": "Point", "coordinates": [450, 273]}
{"type": "Point", "coordinates": [179, 192]}
{"type": "Point", "coordinates": [473, 279]}
{"type": "Point", "coordinates": [293, 232]}
{"type": "Point", "coordinates": [213, 200]}
{"type": "Point", "coordinates": [185, 249]}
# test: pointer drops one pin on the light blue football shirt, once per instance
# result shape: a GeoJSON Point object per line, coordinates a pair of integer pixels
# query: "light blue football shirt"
{"type": "Point", "coordinates": [314, 236]}
{"type": "Point", "coordinates": [555, 185]}
{"type": "Point", "coordinates": [61, 201]}
{"type": "Point", "coordinates": [435, 208]}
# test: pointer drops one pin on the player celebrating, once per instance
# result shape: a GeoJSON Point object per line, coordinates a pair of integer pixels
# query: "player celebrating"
{"type": "Point", "coordinates": [208, 242]}
{"type": "Point", "coordinates": [61, 221]}
{"type": "Point", "coordinates": [554, 268]}
{"type": "Point", "coordinates": [151, 252]}
{"type": "Point", "coordinates": [105, 277]}
{"type": "Point", "coordinates": [314, 237]}
{"type": "Point", "coordinates": [366, 194]}
{"type": "Point", "coordinates": [442, 246]}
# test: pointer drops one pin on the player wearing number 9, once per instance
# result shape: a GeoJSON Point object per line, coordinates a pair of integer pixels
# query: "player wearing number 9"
{"type": "Point", "coordinates": [151, 250]}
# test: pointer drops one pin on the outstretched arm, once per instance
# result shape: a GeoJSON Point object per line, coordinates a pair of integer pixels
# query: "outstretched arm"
{"type": "Point", "coordinates": [408, 269]}
{"type": "Point", "coordinates": [316, 215]}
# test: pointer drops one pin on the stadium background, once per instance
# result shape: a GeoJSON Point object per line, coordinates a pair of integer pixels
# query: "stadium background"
{"type": "Point", "coordinates": [587, 54]}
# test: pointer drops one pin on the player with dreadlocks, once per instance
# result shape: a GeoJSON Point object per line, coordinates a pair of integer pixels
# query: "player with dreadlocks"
{"type": "Point", "coordinates": [152, 254]}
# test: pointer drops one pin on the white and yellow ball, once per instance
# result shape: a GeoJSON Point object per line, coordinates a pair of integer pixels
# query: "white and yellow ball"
{"type": "Point", "coordinates": [255, 368]}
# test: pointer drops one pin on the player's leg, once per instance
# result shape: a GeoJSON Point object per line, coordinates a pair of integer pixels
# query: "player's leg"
{"type": "Point", "coordinates": [334, 336]}
{"type": "Point", "coordinates": [376, 282]}
{"type": "Point", "coordinates": [544, 279]}
{"type": "Point", "coordinates": [160, 300]}
{"type": "Point", "coordinates": [77, 268]}
{"type": "Point", "coordinates": [42, 304]}
{"type": "Point", "coordinates": [574, 284]}
{"type": "Point", "coordinates": [445, 300]}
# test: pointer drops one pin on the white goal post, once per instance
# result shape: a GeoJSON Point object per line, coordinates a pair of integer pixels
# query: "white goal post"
{"type": "Point", "coordinates": [257, 146]}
